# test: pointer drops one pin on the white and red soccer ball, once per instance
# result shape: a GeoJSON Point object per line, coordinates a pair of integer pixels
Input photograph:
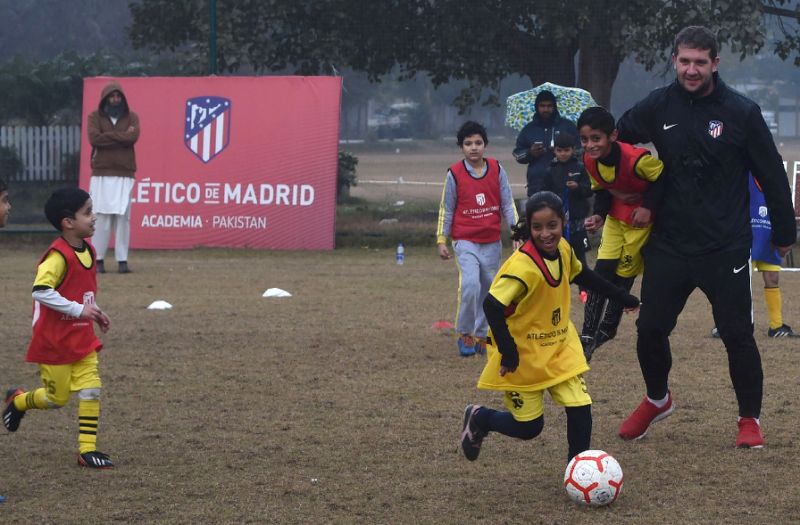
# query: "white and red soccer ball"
{"type": "Point", "coordinates": [593, 478]}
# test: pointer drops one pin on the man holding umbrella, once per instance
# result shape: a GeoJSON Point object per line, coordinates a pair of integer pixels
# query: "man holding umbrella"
{"type": "Point", "coordinates": [536, 141]}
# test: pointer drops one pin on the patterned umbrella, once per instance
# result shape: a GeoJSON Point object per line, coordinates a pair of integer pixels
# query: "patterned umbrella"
{"type": "Point", "coordinates": [571, 101]}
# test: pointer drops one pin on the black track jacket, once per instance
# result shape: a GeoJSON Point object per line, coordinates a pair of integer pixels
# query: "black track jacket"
{"type": "Point", "coordinates": [708, 146]}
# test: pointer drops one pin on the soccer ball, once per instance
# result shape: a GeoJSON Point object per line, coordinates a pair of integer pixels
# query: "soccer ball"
{"type": "Point", "coordinates": [593, 478]}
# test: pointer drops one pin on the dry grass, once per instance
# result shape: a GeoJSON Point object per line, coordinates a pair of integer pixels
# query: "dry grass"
{"type": "Point", "coordinates": [341, 405]}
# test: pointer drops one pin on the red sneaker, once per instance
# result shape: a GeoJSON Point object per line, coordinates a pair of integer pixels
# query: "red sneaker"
{"type": "Point", "coordinates": [635, 427]}
{"type": "Point", "coordinates": [750, 435]}
{"type": "Point", "coordinates": [584, 296]}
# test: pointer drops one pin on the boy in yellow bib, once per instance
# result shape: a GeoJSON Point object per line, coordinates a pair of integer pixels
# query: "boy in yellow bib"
{"type": "Point", "coordinates": [533, 347]}
{"type": "Point", "coordinates": [626, 194]}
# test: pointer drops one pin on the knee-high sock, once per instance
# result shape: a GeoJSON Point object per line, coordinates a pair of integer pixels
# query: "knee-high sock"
{"type": "Point", "coordinates": [596, 303]}
{"type": "Point", "coordinates": [88, 419]}
{"type": "Point", "coordinates": [592, 313]}
{"type": "Point", "coordinates": [33, 399]}
{"type": "Point", "coordinates": [579, 429]}
{"type": "Point", "coordinates": [772, 296]}
{"type": "Point", "coordinates": [613, 315]}
{"type": "Point", "coordinates": [504, 423]}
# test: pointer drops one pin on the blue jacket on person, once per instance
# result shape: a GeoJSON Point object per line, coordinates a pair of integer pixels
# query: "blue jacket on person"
{"type": "Point", "coordinates": [538, 130]}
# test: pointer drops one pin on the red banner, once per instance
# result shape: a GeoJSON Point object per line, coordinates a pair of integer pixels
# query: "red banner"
{"type": "Point", "coordinates": [230, 161]}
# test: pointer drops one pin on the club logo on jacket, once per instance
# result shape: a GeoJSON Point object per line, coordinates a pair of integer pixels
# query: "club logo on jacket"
{"type": "Point", "coordinates": [762, 212]}
{"type": "Point", "coordinates": [480, 198]}
{"type": "Point", "coordinates": [207, 126]}
{"type": "Point", "coordinates": [556, 316]}
{"type": "Point", "coordinates": [715, 128]}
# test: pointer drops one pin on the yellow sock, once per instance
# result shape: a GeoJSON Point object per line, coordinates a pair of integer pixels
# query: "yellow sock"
{"type": "Point", "coordinates": [772, 296]}
{"type": "Point", "coordinates": [88, 419]}
{"type": "Point", "coordinates": [33, 399]}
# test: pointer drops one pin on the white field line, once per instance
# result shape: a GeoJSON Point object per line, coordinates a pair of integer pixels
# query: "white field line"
{"type": "Point", "coordinates": [401, 180]}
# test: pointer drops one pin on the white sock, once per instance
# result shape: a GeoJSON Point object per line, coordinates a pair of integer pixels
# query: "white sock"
{"type": "Point", "coordinates": [739, 418]}
{"type": "Point", "coordinates": [660, 403]}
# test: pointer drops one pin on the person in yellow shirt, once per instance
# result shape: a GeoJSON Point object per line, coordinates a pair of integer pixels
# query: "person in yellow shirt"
{"type": "Point", "coordinates": [625, 180]}
{"type": "Point", "coordinates": [532, 346]}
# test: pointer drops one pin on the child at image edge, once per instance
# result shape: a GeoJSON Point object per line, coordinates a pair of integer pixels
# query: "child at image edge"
{"type": "Point", "coordinates": [5, 204]}
{"type": "Point", "coordinates": [64, 343]}
{"type": "Point", "coordinates": [533, 347]}
{"type": "Point", "coordinates": [5, 208]}
{"type": "Point", "coordinates": [476, 194]}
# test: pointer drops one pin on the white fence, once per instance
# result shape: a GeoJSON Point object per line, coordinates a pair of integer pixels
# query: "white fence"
{"type": "Point", "coordinates": [42, 150]}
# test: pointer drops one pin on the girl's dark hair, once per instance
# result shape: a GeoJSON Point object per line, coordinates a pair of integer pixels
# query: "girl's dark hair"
{"type": "Point", "coordinates": [538, 201]}
{"type": "Point", "coordinates": [3, 186]}
{"type": "Point", "coordinates": [598, 118]}
{"type": "Point", "coordinates": [471, 127]}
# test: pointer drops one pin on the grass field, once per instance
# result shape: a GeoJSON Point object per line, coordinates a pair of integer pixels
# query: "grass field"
{"type": "Point", "coordinates": [342, 405]}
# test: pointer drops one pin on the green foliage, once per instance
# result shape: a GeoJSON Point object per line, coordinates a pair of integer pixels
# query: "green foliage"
{"type": "Point", "coordinates": [10, 164]}
{"type": "Point", "coordinates": [346, 170]}
{"type": "Point", "coordinates": [480, 43]}
{"type": "Point", "coordinates": [51, 92]}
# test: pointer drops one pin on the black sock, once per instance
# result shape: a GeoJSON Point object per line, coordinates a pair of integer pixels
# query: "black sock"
{"type": "Point", "coordinates": [504, 423]}
{"type": "Point", "coordinates": [579, 429]}
{"type": "Point", "coordinates": [613, 315]}
{"type": "Point", "coordinates": [594, 310]}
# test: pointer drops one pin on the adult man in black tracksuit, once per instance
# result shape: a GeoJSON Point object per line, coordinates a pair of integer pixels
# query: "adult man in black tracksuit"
{"type": "Point", "coordinates": [709, 137]}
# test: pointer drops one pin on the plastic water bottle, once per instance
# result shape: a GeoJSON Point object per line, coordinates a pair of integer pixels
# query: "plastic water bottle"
{"type": "Point", "coordinates": [401, 254]}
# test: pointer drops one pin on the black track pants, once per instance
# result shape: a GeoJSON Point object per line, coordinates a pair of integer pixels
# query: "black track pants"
{"type": "Point", "coordinates": [725, 279]}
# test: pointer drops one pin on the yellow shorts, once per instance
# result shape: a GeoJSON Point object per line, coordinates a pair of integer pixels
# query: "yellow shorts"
{"type": "Point", "coordinates": [623, 242]}
{"type": "Point", "coordinates": [527, 406]}
{"type": "Point", "coordinates": [61, 380]}
{"type": "Point", "coordinates": [762, 266]}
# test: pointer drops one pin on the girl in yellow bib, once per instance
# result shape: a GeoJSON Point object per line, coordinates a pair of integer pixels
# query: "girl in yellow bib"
{"type": "Point", "coordinates": [532, 346]}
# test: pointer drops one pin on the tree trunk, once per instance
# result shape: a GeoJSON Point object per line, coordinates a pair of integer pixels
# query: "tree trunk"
{"type": "Point", "coordinates": [554, 65]}
{"type": "Point", "coordinates": [546, 61]}
{"type": "Point", "coordinates": [598, 63]}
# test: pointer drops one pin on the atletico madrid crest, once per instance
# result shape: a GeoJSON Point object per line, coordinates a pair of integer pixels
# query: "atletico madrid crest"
{"type": "Point", "coordinates": [207, 126]}
{"type": "Point", "coordinates": [715, 128]}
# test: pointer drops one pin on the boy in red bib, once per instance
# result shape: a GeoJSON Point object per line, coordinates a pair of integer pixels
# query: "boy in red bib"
{"type": "Point", "coordinates": [623, 178]}
{"type": "Point", "coordinates": [476, 196]}
{"type": "Point", "coordinates": [64, 343]}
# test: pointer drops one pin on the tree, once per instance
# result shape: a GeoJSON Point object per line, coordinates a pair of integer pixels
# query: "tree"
{"type": "Point", "coordinates": [51, 92]}
{"type": "Point", "coordinates": [480, 41]}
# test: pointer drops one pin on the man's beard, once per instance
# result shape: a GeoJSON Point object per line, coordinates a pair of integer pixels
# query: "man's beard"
{"type": "Point", "coordinates": [113, 111]}
{"type": "Point", "coordinates": [701, 90]}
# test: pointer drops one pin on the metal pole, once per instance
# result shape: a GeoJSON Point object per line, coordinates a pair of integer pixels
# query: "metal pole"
{"type": "Point", "coordinates": [212, 38]}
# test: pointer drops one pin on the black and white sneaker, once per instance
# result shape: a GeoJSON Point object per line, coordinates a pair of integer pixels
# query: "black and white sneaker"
{"type": "Point", "coordinates": [471, 435]}
{"type": "Point", "coordinates": [95, 459]}
{"type": "Point", "coordinates": [715, 333]}
{"type": "Point", "coordinates": [11, 414]}
{"type": "Point", "coordinates": [783, 330]}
